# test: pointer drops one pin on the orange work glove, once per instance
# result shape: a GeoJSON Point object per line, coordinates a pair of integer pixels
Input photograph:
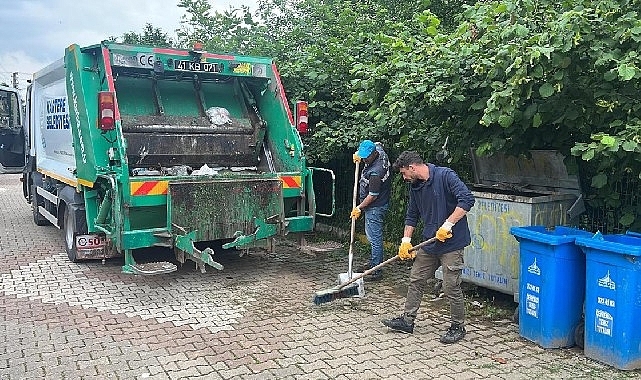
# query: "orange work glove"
{"type": "Point", "coordinates": [356, 213]}
{"type": "Point", "coordinates": [445, 231]}
{"type": "Point", "coordinates": [404, 249]}
{"type": "Point", "coordinates": [356, 158]}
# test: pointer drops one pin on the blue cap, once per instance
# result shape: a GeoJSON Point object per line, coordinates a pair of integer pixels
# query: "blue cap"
{"type": "Point", "coordinates": [366, 148]}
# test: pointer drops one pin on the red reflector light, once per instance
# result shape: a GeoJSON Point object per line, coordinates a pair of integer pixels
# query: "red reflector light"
{"type": "Point", "coordinates": [302, 125]}
{"type": "Point", "coordinates": [106, 110]}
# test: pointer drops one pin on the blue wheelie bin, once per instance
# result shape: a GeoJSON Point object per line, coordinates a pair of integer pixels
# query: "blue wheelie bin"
{"type": "Point", "coordinates": [613, 299]}
{"type": "Point", "coordinates": [552, 284]}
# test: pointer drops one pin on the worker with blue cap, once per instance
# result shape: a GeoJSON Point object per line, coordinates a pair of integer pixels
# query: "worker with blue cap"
{"type": "Point", "coordinates": [374, 187]}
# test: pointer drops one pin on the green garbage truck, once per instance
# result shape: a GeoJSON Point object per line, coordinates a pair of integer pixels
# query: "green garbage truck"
{"type": "Point", "coordinates": [130, 147]}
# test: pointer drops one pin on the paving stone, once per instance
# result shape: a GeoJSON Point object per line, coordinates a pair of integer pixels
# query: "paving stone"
{"type": "Point", "coordinates": [254, 320]}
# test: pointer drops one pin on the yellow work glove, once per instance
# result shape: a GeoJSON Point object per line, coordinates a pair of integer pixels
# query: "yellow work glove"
{"type": "Point", "coordinates": [356, 213]}
{"type": "Point", "coordinates": [404, 249]}
{"type": "Point", "coordinates": [445, 231]}
{"type": "Point", "coordinates": [356, 158]}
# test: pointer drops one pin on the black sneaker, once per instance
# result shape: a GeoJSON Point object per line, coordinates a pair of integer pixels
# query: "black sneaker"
{"type": "Point", "coordinates": [399, 324]}
{"type": "Point", "coordinates": [455, 333]}
{"type": "Point", "coordinates": [374, 276]}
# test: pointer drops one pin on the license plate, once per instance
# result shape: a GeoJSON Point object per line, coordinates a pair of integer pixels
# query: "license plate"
{"type": "Point", "coordinates": [207, 67]}
{"type": "Point", "coordinates": [90, 241]}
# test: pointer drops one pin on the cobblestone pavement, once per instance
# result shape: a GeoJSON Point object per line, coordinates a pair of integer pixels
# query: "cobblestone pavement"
{"type": "Point", "coordinates": [254, 320]}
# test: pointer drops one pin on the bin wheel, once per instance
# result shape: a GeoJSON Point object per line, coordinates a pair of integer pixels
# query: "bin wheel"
{"type": "Point", "coordinates": [579, 334]}
{"type": "Point", "coordinates": [515, 316]}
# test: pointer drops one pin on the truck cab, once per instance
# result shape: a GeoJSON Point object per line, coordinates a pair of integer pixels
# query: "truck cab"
{"type": "Point", "coordinates": [12, 131]}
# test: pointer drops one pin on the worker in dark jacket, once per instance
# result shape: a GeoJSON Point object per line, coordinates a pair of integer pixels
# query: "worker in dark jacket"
{"type": "Point", "coordinates": [373, 197]}
{"type": "Point", "coordinates": [441, 200]}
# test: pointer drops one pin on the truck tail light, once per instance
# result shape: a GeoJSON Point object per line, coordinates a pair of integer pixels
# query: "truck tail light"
{"type": "Point", "coordinates": [106, 110]}
{"type": "Point", "coordinates": [301, 117]}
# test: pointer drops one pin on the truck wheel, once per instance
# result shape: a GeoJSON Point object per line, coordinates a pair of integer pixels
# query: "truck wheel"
{"type": "Point", "coordinates": [70, 234]}
{"type": "Point", "coordinates": [38, 219]}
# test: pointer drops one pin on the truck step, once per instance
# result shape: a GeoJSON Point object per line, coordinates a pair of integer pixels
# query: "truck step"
{"type": "Point", "coordinates": [159, 267]}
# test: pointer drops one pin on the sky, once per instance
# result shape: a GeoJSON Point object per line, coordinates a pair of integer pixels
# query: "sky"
{"type": "Point", "coordinates": [35, 33]}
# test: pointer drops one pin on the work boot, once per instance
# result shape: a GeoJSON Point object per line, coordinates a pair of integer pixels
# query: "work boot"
{"type": "Point", "coordinates": [455, 333]}
{"type": "Point", "coordinates": [399, 324]}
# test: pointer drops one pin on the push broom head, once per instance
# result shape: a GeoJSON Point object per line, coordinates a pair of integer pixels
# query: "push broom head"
{"type": "Point", "coordinates": [329, 295]}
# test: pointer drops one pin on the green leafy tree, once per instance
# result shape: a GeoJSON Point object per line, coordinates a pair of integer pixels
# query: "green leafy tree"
{"type": "Point", "coordinates": [507, 75]}
{"type": "Point", "coordinates": [231, 31]}
{"type": "Point", "coordinates": [316, 44]}
{"type": "Point", "coordinates": [150, 36]}
{"type": "Point", "coordinates": [519, 75]}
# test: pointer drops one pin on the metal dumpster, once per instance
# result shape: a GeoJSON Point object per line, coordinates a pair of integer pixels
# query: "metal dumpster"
{"type": "Point", "coordinates": [514, 191]}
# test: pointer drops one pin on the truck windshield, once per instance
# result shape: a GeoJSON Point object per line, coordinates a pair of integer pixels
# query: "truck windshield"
{"type": "Point", "coordinates": [9, 110]}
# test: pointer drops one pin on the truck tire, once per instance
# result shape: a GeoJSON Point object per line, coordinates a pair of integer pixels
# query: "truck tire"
{"type": "Point", "coordinates": [72, 227]}
{"type": "Point", "coordinates": [36, 201]}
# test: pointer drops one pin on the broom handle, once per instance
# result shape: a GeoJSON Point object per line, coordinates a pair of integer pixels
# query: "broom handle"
{"type": "Point", "coordinates": [350, 256]}
{"type": "Point", "coordinates": [388, 261]}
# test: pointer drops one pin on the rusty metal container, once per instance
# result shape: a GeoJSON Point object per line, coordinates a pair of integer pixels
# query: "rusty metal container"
{"type": "Point", "coordinates": [513, 192]}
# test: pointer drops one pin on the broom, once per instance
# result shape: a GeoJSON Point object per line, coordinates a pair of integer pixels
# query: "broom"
{"type": "Point", "coordinates": [350, 288]}
{"type": "Point", "coordinates": [344, 277]}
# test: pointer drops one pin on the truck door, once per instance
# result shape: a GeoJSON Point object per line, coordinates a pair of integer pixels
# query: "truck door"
{"type": "Point", "coordinates": [12, 135]}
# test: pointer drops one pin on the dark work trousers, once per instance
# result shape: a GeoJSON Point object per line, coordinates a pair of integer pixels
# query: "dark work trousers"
{"type": "Point", "coordinates": [424, 268]}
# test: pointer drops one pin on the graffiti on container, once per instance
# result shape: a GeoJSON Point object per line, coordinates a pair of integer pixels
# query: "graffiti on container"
{"type": "Point", "coordinates": [491, 234]}
{"type": "Point", "coordinates": [603, 322]}
{"type": "Point", "coordinates": [549, 214]}
{"type": "Point", "coordinates": [490, 221]}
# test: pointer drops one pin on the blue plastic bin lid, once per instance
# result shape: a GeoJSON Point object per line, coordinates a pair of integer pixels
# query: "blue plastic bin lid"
{"type": "Point", "coordinates": [633, 234]}
{"type": "Point", "coordinates": [559, 235]}
{"type": "Point", "coordinates": [625, 244]}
